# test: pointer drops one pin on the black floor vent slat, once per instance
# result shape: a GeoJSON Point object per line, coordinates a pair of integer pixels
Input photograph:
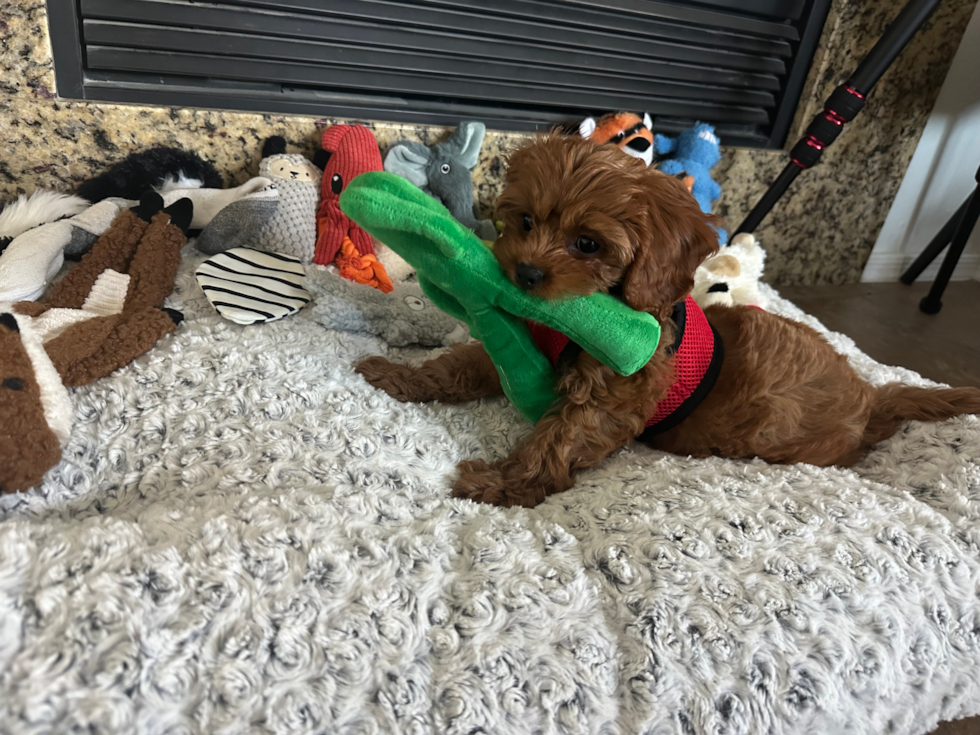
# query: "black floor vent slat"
{"type": "Point", "coordinates": [517, 64]}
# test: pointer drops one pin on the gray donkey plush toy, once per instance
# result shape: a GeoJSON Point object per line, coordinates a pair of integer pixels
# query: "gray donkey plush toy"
{"type": "Point", "coordinates": [443, 172]}
{"type": "Point", "coordinates": [401, 318]}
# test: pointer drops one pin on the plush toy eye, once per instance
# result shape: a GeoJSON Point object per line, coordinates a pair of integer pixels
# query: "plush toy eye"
{"type": "Point", "coordinates": [13, 383]}
{"type": "Point", "coordinates": [415, 303]}
{"type": "Point", "coordinates": [586, 245]}
{"type": "Point", "coordinates": [336, 184]}
{"type": "Point", "coordinates": [444, 168]}
{"type": "Point", "coordinates": [526, 222]}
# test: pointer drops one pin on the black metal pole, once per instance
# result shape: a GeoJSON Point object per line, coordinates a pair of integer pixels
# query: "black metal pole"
{"type": "Point", "coordinates": [932, 302]}
{"type": "Point", "coordinates": [843, 105]}
{"type": "Point", "coordinates": [935, 246]}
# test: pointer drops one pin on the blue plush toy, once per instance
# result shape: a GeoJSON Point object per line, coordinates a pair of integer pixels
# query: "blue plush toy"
{"type": "Point", "coordinates": [690, 157]}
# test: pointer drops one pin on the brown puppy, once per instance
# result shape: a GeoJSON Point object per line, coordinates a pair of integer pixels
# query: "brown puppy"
{"type": "Point", "coordinates": [580, 218]}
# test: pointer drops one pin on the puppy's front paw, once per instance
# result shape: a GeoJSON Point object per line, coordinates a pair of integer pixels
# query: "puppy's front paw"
{"type": "Point", "coordinates": [398, 381]}
{"type": "Point", "coordinates": [480, 482]}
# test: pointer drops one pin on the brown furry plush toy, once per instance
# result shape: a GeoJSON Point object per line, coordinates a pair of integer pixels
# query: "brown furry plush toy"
{"type": "Point", "coordinates": [106, 312]}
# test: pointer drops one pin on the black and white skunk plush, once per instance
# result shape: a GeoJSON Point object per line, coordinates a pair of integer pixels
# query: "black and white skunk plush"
{"type": "Point", "coordinates": [161, 169]}
{"type": "Point", "coordinates": [27, 212]}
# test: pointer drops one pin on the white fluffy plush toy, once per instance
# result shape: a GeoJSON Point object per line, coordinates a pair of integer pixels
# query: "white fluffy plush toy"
{"type": "Point", "coordinates": [731, 276]}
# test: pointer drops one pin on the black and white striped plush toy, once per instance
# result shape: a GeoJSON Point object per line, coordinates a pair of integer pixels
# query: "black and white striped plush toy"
{"type": "Point", "coordinates": [247, 286]}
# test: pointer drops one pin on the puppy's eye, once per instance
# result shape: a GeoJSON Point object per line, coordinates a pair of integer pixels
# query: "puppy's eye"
{"type": "Point", "coordinates": [586, 245]}
{"type": "Point", "coordinates": [13, 383]}
{"type": "Point", "coordinates": [526, 222]}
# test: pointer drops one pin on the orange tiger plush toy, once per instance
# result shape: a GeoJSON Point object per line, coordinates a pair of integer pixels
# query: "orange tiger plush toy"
{"type": "Point", "coordinates": [630, 132]}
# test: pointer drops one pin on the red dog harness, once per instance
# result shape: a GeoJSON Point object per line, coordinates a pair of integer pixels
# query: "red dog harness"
{"type": "Point", "coordinates": [699, 354]}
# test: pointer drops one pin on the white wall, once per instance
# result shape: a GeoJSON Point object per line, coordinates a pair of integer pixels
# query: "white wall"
{"type": "Point", "coordinates": [940, 176]}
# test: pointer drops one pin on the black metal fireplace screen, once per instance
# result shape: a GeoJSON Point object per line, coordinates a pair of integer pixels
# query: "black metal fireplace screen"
{"type": "Point", "coordinates": [515, 64]}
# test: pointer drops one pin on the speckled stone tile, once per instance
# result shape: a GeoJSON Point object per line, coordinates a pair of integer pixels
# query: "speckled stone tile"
{"type": "Point", "coordinates": [821, 232]}
{"type": "Point", "coordinates": [26, 68]}
{"type": "Point", "coordinates": [58, 144]}
{"type": "Point", "coordinates": [55, 144]}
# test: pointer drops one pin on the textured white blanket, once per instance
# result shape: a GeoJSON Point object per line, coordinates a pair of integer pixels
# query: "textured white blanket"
{"type": "Point", "coordinates": [245, 537]}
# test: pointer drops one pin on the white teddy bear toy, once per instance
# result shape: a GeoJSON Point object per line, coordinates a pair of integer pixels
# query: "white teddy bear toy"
{"type": "Point", "coordinates": [731, 276]}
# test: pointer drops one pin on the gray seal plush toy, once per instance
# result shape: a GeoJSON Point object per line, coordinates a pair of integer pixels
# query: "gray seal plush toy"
{"type": "Point", "coordinates": [279, 219]}
{"type": "Point", "coordinates": [401, 318]}
{"type": "Point", "coordinates": [443, 172]}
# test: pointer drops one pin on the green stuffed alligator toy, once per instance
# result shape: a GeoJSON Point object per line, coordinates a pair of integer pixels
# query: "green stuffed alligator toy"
{"type": "Point", "coordinates": [462, 277]}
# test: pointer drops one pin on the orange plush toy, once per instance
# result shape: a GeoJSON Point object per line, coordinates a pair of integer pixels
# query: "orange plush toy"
{"type": "Point", "coordinates": [348, 151]}
{"type": "Point", "coordinates": [362, 268]}
{"type": "Point", "coordinates": [630, 132]}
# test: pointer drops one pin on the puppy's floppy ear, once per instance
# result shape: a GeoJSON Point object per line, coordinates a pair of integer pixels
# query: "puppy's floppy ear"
{"type": "Point", "coordinates": [673, 236]}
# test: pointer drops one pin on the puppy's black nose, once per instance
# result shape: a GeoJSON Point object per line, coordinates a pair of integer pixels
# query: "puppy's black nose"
{"type": "Point", "coordinates": [527, 276]}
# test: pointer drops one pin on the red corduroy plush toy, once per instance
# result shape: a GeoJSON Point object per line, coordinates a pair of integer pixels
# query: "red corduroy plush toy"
{"type": "Point", "coordinates": [348, 151]}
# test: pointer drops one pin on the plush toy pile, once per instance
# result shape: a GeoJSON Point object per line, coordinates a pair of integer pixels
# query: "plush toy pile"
{"type": "Point", "coordinates": [263, 238]}
{"type": "Point", "coordinates": [327, 232]}
{"type": "Point", "coordinates": [689, 156]}
{"type": "Point", "coordinates": [108, 310]}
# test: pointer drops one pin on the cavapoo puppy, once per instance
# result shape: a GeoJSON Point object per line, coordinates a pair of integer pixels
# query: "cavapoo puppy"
{"type": "Point", "coordinates": [730, 381]}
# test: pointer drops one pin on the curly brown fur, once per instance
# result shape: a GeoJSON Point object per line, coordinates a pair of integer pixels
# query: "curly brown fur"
{"type": "Point", "coordinates": [113, 250]}
{"type": "Point", "coordinates": [27, 444]}
{"type": "Point", "coordinates": [155, 263]}
{"type": "Point", "coordinates": [650, 232]}
{"type": "Point", "coordinates": [464, 373]}
{"type": "Point", "coordinates": [783, 394]}
{"type": "Point", "coordinates": [99, 346]}
{"type": "Point", "coordinates": [149, 252]}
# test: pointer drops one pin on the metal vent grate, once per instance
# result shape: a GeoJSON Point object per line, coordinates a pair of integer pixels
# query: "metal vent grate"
{"type": "Point", "coordinates": [515, 64]}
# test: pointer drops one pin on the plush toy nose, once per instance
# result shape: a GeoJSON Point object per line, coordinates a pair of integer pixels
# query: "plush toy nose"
{"type": "Point", "coordinates": [527, 276]}
{"type": "Point", "coordinates": [638, 144]}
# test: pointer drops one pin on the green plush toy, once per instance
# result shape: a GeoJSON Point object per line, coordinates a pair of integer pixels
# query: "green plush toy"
{"type": "Point", "coordinates": [461, 276]}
